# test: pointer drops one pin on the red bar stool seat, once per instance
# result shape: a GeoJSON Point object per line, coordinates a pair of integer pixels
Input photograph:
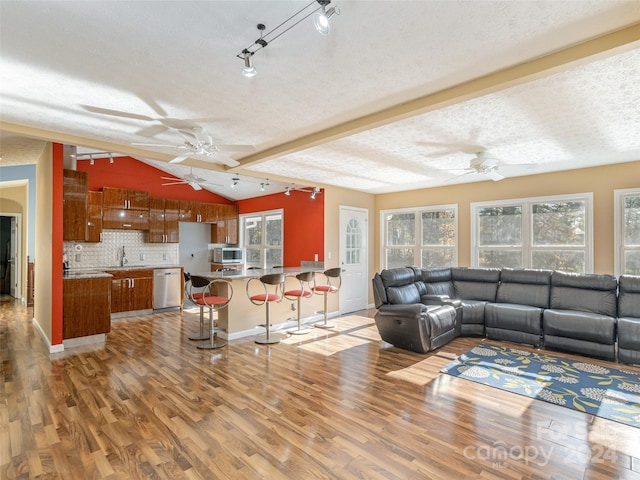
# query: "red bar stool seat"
{"type": "Point", "coordinates": [326, 289]}
{"type": "Point", "coordinates": [266, 297]}
{"type": "Point", "coordinates": [204, 293]}
{"type": "Point", "coordinates": [305, 279]}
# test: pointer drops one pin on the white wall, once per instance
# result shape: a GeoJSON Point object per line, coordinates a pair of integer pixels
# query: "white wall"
{"type": "Point", "coordinates": [193, 249]}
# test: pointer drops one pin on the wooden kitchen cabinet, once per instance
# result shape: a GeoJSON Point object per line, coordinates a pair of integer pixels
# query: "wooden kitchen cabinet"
{"type": "Point", "coordinates": [123, 219]}
{"type": "Point", "coordinates": [94, 217]}
{"type": "Point", "coordinates": [86, 307]}
{"type": "Point", "coordinates": [226, 227]}
{"type": "Point", "coordinates": [125, 199]}
{"type": "Point", "coordinates": [75, 192]}
{"type": "Point", "coordinates": [199, 212]}
{"type": "Point", "coordinates": [164, 215]}
{"type": "Point", "coordinates": [131, 290]}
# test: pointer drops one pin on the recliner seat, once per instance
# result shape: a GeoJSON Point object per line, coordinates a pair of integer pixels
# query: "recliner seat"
{"type": "Point", "coordinates": [629, 319]}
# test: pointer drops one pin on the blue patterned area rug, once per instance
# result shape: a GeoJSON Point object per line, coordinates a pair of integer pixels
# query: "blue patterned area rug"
{"type": "Point", "coordinates": [602, 391]}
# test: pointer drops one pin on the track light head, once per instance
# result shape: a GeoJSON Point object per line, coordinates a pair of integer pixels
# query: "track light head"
{"type": "Point", "coordinates": [287, 191]}
{"type": "Point", "coordinates": [234, 182]}
{"type": "Point", "coordinates": [248, 70]}
{"type": "Point", "coordinates": [321, 18]}
{"type": "Point", "coordinates": [315, 191]}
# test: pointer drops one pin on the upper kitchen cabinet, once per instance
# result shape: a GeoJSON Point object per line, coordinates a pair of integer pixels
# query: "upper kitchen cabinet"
{"type": "Point", "coordinates": [75, 191]}
{"type": "Point", "coordinates": [125, 209]}
{"type": "Point", "coordinates": [94, 217]}
{"type": "Point", "coordinates": [198, 212]}
{"type": "Point", "coordinates": [164, 215]}
{"type": "Point", "coordinates": [226, 228]}
{"type": "Point", "coordinates": [121, 198]}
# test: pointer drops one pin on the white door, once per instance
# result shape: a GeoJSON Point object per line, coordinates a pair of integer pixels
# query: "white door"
{"type": "Point", "coordinates": [354, 256]}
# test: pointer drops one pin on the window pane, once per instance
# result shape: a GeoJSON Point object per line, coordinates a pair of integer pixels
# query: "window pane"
{"type": "Point", "coordinates": [632, 262]}
{"type": "Point", "coordinates": [253, 257]}
{"type": "Point", "coordinates": [441, 257]}
{"type": "Point", "coordinates": [499, 258]}
{"type": "Point", "coordinates": [274, 257]}
{"type": "Point", "coordinates": [399, 257]}
{"type": "Point", "coordinates": [253, 231]}
{"type": "Point", "coordinates": [500, 226]}
{"type": "Point", "coordinates": [561, 223]}
{"type": "Point", "coordinates": [274, 230]}
{"type": "Point", "coordinates": [632, 220]}
{"type": "Point", "coordinates": [563, 260]}
{"type": "Point", "coordinates": [401, 229]}
{"type": "Point", "coordinates": [353, 241]}
{"type": "Point", "coordinates": [438, 228]}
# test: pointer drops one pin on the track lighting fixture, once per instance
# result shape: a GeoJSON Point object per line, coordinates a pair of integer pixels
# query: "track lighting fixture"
{"type": "Point", "coordinates": [91, 161]}
{"type": "Point", "coordinates": [234, 182]}
{"type": "Point", "coordinates": [287, 191]}
{"type": "Point", "coordinates": [110, 158]}
{"type": "Point", "coordinates": [314, 193]}
{"type": "Point", "coordinates": [321, 16]}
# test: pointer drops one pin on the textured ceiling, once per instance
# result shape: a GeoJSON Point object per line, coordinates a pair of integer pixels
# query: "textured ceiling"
{"type": "Point", "coordinates": [373, 106]}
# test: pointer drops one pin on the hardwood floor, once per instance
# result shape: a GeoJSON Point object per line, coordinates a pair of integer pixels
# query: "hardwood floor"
{"type": "Point", "coordinates": [330, 404]}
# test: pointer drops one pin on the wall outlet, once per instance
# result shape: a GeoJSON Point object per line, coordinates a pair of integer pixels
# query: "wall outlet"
{"type": "Point", "coordinates": [78, 257]}
{"type": "Point", "coordinates": [142, 257]}
{"type": "Point", "coordinates": [315, 257]}
{"type": "Point", "coordinates": [164, 256]}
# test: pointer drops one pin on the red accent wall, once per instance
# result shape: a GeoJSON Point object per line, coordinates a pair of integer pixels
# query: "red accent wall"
{"type": "Point", "coordinates": [57, 162]}
{"type": "Point", "coordinates": [132, 174]}
{"type": "Point", "coordinates": [303, 223]}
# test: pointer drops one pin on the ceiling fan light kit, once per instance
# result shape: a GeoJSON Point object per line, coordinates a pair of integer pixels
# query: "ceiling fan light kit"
{"type": "Point", "coordinates": [321, 16]}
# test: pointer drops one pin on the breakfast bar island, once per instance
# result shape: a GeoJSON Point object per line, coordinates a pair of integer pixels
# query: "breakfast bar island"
{"type": "Point", "coordinates": [242, 318]}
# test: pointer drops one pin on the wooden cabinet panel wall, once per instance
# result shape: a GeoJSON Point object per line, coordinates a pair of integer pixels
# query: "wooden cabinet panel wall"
{"type": "Point", "coordinates": [75, 191]}
{"type": "Point", "coordinates": [121, 198]}
{"type": "Point", "coordinates": [226, 228]}
{"type": "Point", "coordinates": [123, 219]}
{"type": "Point", "coordinates": [86, 307]}
{"type": "Point", "coordinates": [94, 217]}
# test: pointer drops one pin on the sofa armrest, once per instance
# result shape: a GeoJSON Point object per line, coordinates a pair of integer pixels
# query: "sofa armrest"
{"type": "Point", "coordinates": [413, 310]}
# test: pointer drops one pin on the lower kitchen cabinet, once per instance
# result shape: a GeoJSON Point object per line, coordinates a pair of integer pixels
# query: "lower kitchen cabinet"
{"type": "Point", "coordinates": [131, 290]}
{"type": "Point", "coordinates": [86, 307]}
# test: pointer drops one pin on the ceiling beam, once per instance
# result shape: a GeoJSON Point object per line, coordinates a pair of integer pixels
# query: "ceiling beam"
{"type": "Point", "coordinates": [586, 52]}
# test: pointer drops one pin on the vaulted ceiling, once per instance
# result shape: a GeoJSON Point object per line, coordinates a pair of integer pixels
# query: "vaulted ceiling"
{"type": "Point", "coordinates": [401, 94]}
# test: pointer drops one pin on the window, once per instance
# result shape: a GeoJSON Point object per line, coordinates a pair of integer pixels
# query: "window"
{"type": "Point", "coordinates": [550, 233]}
{"type": "Point", "coordinates": [627, 231]}
{"type": "Point", "coordinates": [424, 237]}
{"type": "Point", "coordinates": [262, 238]}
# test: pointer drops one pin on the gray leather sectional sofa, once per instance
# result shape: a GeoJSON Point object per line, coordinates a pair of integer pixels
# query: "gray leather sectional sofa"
{"type": "Point", "coordinates": [421, 309]}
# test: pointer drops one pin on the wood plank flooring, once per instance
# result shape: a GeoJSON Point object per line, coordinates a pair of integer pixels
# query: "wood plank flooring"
{"type": "Point", "coordinates": [328, 405]}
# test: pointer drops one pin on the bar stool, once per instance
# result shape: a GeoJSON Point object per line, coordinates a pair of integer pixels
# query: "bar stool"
{"type": "Point", "coordinates": [201, 293]}
{"type": "Point", "coordinates": [305, 279]}
{"type": "Point", "coordinates": [267, 298]}
{"type": "Point", "coordinates": [325, 290]}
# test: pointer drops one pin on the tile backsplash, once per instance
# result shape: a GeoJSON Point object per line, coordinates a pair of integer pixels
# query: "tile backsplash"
{"type": "Point", "coordinates": [108, 253]}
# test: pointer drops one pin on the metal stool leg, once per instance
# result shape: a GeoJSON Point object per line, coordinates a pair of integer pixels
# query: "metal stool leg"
{"type": "Point", "coordinates": [325, 324]}
{"type": "Point", "coordinates": [213, 341]}
{"type": "Point", "coordinates": [203, 335]}
{"type": "Point", "coordinates": [300, 330]}
{"type": "Point", "coordinates": [267, 338]}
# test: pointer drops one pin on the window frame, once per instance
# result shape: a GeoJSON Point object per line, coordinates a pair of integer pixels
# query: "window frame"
{"type": "Point", "coordinates": [619, 248]}
{"type": "Point", "coordinates": [527, 247]}
{"type": "Point", "coordinates": [263, 248]}
{"type": "Point", "coordinates": [418, 248]}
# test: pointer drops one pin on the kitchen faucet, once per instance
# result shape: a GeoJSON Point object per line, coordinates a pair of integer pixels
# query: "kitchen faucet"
{"type": "Point", "coordinates": [123, 260]}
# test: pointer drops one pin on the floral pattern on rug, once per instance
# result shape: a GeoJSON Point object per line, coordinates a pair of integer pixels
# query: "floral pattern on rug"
{"type": "Point", "coordinates": [602, 391]}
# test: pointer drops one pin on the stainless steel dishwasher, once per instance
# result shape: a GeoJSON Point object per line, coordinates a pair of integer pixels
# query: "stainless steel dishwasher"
{"type": "Point", "coordinates": [167, 288]}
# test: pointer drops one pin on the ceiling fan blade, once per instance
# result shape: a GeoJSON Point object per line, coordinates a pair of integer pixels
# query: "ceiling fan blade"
{"type": "Point", "coordinates": [493, 175]}
{"type": "Point", "coordinates": [195, 186]}
{"type": "Point", "coordinates": [172, 178]}
{"type": "Point", "coordinates": [179, 159]}
{"type": "Point", "coordinates": [115, 113]}
{"type": "Point", "coordinates": [236, 148]}
{"type": "Point", "coordinates": [152, 131]}
{"type": "Point", "coordinates": [174, 183]}
{"type": "Point", "coordinates": [154, 145]}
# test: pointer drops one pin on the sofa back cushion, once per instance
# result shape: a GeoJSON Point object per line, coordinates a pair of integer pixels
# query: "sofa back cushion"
{"type": "Point", "coordinates": [437, 281]}
{"type": "Point", "coordinates": [584, 293]}
{"type": "Point", "coordinates": [475, 283]}
{"type": "Point", "coordinates": [629, 296]}
{"type": "Point", "coordinates": [524, 287]}
{"type": "Point", "coordinates": [402, 285]}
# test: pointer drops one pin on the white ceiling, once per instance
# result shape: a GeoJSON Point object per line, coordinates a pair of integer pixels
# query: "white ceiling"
{"type": "Point", "coordinates": [399, 96]}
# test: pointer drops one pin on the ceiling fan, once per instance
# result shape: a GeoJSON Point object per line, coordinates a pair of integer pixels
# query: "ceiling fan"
{"type": "Point", "coordinates": [200, 145]}
{"type": "Point", "coordinates": [484, 164]}
{"type": "Point", "coordinates": [194, 181]}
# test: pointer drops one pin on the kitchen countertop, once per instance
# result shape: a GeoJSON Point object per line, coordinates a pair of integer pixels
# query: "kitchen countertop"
{"type": "Point", "coordinates": [80, 273]}
{"type": "Point", "coordinates": [255, 273]}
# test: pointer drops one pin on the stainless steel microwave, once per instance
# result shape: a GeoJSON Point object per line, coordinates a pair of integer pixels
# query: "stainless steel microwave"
{"type": "Point", "coordinates": [228, 255]}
